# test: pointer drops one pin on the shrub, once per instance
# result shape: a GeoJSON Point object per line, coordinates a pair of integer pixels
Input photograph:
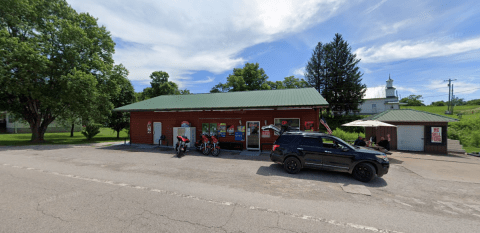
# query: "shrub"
{"type": "Point", "coordinates": [90, 130]}
{"type": "Point", "coordinates": [346, 136]}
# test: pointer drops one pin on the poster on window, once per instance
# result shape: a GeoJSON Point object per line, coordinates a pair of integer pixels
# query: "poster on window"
{"type": "Point", "coordinates": [205, 128]}
{"type": "Point", "coordinates": [436, 134]}
{"type": "Point", "coordinates": [213, 129]}
{"type": "Point", "coordinates": [222, 130]}
{"type": "Point", "coordinates": [308, 125]}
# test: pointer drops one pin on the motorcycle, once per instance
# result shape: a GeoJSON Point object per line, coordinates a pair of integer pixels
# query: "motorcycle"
{"type": "Point", "coordinates": [181, 146]}
{"type": "Point", "coordinates": [209, 144]}
{"type": "Point", "coordinates": [214, 147]}
{"type": "Point", "coordinates": [205, 146]}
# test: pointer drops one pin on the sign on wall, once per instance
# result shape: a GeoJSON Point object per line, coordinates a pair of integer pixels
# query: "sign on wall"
{"type": "Point", "coordinates": [231, 130]}
{"type": "Point", "coordinates": [222, 130]}
{"type": "Point", "coordinates": [266, 134]}
{"type": "Point", "coordinates": [436, 134]}
{"type": "Point", "coordinates": [309, 125]}
{"type": "Point", "coordinates": [149, 127]}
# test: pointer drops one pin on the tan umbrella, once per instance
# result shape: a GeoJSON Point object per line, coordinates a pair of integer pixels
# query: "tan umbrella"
{"type": "Point", "coordinates": [368, 123]}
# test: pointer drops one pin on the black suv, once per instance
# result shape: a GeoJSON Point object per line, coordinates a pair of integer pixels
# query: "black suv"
{"type": "Point", "coordinates": [298, 149]}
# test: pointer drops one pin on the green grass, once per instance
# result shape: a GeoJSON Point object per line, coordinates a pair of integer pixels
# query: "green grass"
{"type": "Point", "coordinates": [105, 135]}
{"type": "Point", "coordinates": [465, 110]}
{"type": "Point", "coordinates": [470, 149]}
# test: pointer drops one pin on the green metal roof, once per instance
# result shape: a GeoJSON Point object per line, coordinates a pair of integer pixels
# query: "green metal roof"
{"type": "Point", "coordinates": [301, 97]}
{"type": "Point", "coordinates": [409, 115]}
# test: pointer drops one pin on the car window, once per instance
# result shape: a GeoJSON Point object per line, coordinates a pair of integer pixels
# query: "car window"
{"type": "Point", "coordinates": [311, 142]}
{"type": "Point", "coordinates": [334, 143]}
{"type": "Point", "coordinates": [285, 139]}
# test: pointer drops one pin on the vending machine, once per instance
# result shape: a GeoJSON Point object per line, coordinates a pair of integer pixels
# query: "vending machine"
{"type": "Point", "coordinates": [189, 132]}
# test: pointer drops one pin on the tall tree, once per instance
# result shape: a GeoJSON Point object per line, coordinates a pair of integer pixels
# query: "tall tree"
{"type": "Point", "coordinates": [292, 82]}
{"type": "Point", "coordinates": [53, 61]}
{"type": "Point", "coordinates": [250, 77]}
{"type": "Point", "coordinates": [333, 71]}
{"type": "Point", "coordinates": [315, 71]}
{"type": "Point", "coordinates": [124, 96]}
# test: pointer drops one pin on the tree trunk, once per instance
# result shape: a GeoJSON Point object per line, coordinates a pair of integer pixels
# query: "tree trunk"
{"type": "Point", "coordinates": [118, 133]}
{"type": "Point", "coordinates": [38, 132]}
{"type": "Point", "coordinates": [71, 131]}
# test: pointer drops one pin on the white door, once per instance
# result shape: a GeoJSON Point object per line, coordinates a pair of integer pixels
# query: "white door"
{"type": "Point", "coordinates": [157, 132]}
{"type": "Point", "coordinates": [410, 137]}
{"type": "Point", "coordinates": [253, 135]}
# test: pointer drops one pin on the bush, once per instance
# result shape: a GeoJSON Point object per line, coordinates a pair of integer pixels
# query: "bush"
{"type": "Point", "coordinates": [90, 130]}
{"type": "Point", "coordinates": [346, 136]}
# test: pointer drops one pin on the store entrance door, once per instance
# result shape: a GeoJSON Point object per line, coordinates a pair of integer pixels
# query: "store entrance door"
{"type": "Point", "coordinates": [253, 135]}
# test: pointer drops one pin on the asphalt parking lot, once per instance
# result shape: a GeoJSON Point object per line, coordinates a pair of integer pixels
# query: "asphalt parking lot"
{"type": "Point", "coordinates": [421, 193]}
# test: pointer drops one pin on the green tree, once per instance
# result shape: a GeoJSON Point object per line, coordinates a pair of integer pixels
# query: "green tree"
{"type": "Point", "coordinates": [439, 103]}
{"type": "Point", "coordinates": [250, 77]}
{"type": "Point", "coordinates": [161, 86]}
{"type": "Point", "coordinates": [333, 71]}
{"type": "Point", "coordinates": [413, 100]}
{"type": "Point", "coordinates": [292, 82]}
{"type": "Point", "coordinates": [54, 62]}
{"type": "Point", "coordinates": [473, 102]}
{"type": "Point", "coordinates": [124, 96]}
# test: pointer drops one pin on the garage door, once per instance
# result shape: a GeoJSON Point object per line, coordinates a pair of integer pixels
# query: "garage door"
{"type": "Point", "coordinates": [410, 137]}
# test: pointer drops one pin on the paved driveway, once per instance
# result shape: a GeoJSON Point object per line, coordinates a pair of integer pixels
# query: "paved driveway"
{"type": "Point", "coordinates": [116, 188]}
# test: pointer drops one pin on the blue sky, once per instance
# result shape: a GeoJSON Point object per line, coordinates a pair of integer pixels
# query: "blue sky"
{"type": "Point", "coordinates": [418, 43]}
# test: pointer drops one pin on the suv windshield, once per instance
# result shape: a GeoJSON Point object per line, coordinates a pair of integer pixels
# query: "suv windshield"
{"type": "Point", "coordinates": [341, 141]}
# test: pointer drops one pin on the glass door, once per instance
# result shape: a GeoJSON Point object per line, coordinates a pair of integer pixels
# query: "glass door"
{"type": "Point", "coordinates": [253, 135]}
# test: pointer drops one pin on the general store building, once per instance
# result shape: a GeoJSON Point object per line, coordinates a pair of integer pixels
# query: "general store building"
{"type": "Point", "coordinates": [236, 117]}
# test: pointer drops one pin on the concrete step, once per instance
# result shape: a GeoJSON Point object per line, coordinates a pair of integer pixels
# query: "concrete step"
{"type": "Point", "coordinates": [454, 146]}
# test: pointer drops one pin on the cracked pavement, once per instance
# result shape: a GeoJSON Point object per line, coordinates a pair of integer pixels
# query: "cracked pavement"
{"type": "Point", "coordinates": [117, 189]}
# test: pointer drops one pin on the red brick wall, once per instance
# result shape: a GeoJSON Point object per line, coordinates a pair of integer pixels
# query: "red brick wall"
{"type": "Point", "coordinates": [139, 121]}
{"type": "Point", "coordinates": [428, 147]}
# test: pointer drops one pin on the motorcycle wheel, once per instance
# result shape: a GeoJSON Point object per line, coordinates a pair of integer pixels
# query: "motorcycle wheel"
{"type": "Point", "coordinates": [202, 147]}
{"type": "Point", "coordinates": [178, 150]}
{"type": "Point", "coordinates": [216, 152]}
{"type": "Point", "coordinates": [206, 151]}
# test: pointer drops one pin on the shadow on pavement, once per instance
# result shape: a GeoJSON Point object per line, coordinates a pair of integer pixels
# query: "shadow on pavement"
{"type": "Point", "coordinates": [319, 175]}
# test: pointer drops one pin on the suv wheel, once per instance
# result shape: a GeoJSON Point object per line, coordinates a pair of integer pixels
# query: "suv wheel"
{"type": "Point", "coordinates": [364, 172]}
{"type": "Point", "coordinates": [292, 165]}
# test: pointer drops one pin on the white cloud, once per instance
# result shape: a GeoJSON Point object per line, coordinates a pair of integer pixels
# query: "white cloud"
{"type": "Point", "coordinates": [400, 50]}
{"type": "Point", "coordinates": [299, 72]}
{"type": "Point", "coordinates": [181, 37]}
{"type": "Point", "coordinates": [460, 87]}
{"type": "Point", "coordinates": [369, 10]}
{"type": "Point", "coordinates": [409, 89]}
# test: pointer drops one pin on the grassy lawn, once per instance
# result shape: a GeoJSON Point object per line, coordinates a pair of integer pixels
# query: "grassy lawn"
{"type": "Point", "coordinates": [105, 135]}
{"type": "Point", "coordinates": [466, 110]}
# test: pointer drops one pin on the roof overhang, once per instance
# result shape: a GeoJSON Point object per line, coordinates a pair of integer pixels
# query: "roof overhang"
{"type": "Point", "coordinates": [225, 109]}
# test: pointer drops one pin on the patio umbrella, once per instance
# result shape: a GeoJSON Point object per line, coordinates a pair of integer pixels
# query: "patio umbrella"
{"type": "Point", "coordinates": [368, 123]}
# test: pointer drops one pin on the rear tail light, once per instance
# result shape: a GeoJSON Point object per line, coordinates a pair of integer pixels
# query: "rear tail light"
{"type": "Point", "coordinates": [275, 147]}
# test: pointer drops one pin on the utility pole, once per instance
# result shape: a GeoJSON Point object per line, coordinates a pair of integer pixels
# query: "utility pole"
{"type": "Point", "coordinates": [449, 92]}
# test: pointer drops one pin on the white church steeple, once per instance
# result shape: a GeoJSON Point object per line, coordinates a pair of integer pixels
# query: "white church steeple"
{"type": "Point", "coordinates": [389, 89]}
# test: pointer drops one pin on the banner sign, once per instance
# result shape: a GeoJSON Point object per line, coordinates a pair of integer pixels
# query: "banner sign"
{"type": "Point", "coordinates": [266, 134]}
{"type": "Point", "coordinates": [436, 134]}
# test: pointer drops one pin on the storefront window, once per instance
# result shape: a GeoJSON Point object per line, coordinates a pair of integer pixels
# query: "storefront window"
{"type": "Point", "coordinates": [291, 122]}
